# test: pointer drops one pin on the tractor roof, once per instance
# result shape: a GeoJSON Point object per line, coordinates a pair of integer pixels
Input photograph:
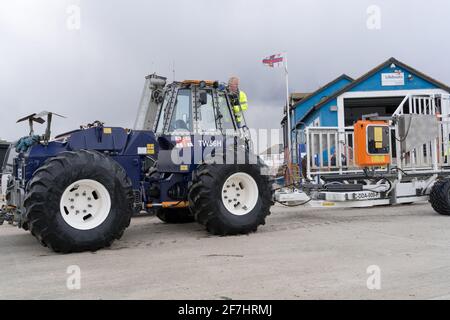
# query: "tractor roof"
{"type": "Point", "coordinates": [201, 83]}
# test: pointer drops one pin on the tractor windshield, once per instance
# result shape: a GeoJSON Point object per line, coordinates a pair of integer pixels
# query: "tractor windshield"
{"type": "Point", "coordinates": [181, 116]}
{"type": "Point", "coordinates": [211, 111]}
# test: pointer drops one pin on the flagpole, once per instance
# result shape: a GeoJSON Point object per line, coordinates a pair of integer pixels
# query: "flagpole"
{"type": "Point", "coordinates": [288, 117]}
{"type": "Point", "coordinates": [271, 61]}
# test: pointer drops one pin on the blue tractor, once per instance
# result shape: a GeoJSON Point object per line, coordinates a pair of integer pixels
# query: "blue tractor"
{"type": "Point", "coordinates": [187, 159]}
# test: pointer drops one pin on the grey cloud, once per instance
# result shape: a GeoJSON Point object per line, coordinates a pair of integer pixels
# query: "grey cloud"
{"type": "Point", "coordinates": [98, 71]}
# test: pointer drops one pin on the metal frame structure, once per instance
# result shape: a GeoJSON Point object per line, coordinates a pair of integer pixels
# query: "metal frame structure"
{"type": "Point", "coordinates": [407, 178]}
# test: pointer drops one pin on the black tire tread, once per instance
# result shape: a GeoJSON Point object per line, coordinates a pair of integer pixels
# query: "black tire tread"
{"type": "Point", "coordinates": [439, 197]}
{"type": "Point", "coordinates": [175, 215]}
{"type": "Point", "coordinates": [200, 203]}
{"type": "Point", "coordinates": [39, 192]}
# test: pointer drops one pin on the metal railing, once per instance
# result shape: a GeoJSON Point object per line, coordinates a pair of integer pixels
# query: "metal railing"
{"type": "Point", "coordinates": [329, 150]}
{"type": "Point", "coordinates": [418, 104]}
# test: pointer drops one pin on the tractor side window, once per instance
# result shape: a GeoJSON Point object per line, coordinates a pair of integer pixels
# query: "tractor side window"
{"type": "Point", "coordinates": [181, 119]}
{"type": "Point", "coordinates": [227, 120]}
{"type": "Point", "coordinates": [206, 115]}
{"type": "Point", "coordinates": [160, 125]}
{"type": "Point", "coordinates": [8, 162]}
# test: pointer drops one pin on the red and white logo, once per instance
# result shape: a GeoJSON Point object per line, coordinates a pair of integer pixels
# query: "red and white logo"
{"type": "Point", "coordinates": [183, 142]}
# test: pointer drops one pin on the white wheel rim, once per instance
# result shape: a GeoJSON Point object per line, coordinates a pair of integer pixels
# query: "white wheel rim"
{"type": "Point", "coordinates": [85, 204]}
{"type": "Point", "coordinates": [240, 193]}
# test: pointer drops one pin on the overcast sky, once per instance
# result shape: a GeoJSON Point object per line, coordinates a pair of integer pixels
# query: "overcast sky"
{"type": "Point", "coordinates": [95, 69]}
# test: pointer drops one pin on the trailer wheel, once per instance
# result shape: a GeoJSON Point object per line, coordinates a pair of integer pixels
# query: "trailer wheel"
{"type": "Point", "coordinates": [440, 197]}
{"type": "Point", "coordinates": [79, 201]}
{"type": "Point", "coordinates": [230, 199]}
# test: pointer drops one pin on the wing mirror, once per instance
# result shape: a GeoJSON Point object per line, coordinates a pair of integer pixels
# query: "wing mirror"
{"type": "Point", "coordinates": [203, 98]}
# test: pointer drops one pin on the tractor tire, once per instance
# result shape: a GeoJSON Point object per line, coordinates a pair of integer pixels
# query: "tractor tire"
{"type": "Point", "coordinates": [230, 199]}
{"type": "Point", "coordinates": [175, 215]}
{"type": "Point", "coordinates": [440, 197]}
{"type": "Point", "coordinates": [79, 201]}
{"type": "Point", "coordinates": [170, 215]}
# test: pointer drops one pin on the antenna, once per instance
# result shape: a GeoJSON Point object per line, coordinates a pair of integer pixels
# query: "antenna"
{"type": "Point", "coordinates": [173, 70]}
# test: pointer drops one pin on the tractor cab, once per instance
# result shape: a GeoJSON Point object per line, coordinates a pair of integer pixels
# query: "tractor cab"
{"type": "Point", "coordinates": [187, 107]}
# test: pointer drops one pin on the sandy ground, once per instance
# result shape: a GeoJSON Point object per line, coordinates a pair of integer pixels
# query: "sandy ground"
{"type": "Point", "coordinates": [301, 253]}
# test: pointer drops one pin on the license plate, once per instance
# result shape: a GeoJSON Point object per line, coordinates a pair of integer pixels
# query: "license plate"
{"type": "Point", "coordinates": [366, 195]}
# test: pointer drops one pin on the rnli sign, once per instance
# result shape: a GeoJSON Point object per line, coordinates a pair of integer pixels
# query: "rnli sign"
{"type": "Point", "coordinates": [393, 79]}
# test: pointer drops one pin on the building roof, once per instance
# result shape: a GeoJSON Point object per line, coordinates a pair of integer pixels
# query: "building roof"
{"type": "Point", "coordinates": [323, 88]}
{"type": "Point", "coordinates": [312, 94]}
{"type": "Point", "coordinates": [296, 97]}
{"type": "Point", "coordinates": [329, 84]}
{"type": "Point", "coordinates": [371, 73]}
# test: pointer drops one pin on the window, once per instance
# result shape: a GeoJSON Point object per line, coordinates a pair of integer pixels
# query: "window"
{"type": "Point", "coordinates": [316, 122]}
{"type": "Point", "coordinates": [8, 162]}
{"type": "Point", "coordinates": [227, 120]}
{"type": "Point", "coordinates": [207, 115]}
{"type": "Point", "coordinates": [181, 116]}
{"type": "Point", "coordinates": [159, 126]}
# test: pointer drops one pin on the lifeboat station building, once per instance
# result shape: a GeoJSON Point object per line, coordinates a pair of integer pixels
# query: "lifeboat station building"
{"type": "Point", "coordinates": [343, 101]}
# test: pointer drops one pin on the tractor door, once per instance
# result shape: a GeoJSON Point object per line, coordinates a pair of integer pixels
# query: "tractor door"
{"type": "Point", "coordinates": [175, 116]}
{"type": "Point", "coordinates": [225, 116]}
{"type": "Point", "coordinates": [175, 129]}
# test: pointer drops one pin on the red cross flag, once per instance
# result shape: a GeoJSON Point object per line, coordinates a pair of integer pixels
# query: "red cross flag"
{"type": "Point", "coordinates": [274, 60]}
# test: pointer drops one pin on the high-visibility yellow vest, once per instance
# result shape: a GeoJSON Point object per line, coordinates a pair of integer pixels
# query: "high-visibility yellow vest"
{"type": "Point", "coordinates": [242, 106]}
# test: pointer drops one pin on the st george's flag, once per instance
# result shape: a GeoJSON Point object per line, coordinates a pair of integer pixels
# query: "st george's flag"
{"type": "Point", "coordinates": [274, 60]}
